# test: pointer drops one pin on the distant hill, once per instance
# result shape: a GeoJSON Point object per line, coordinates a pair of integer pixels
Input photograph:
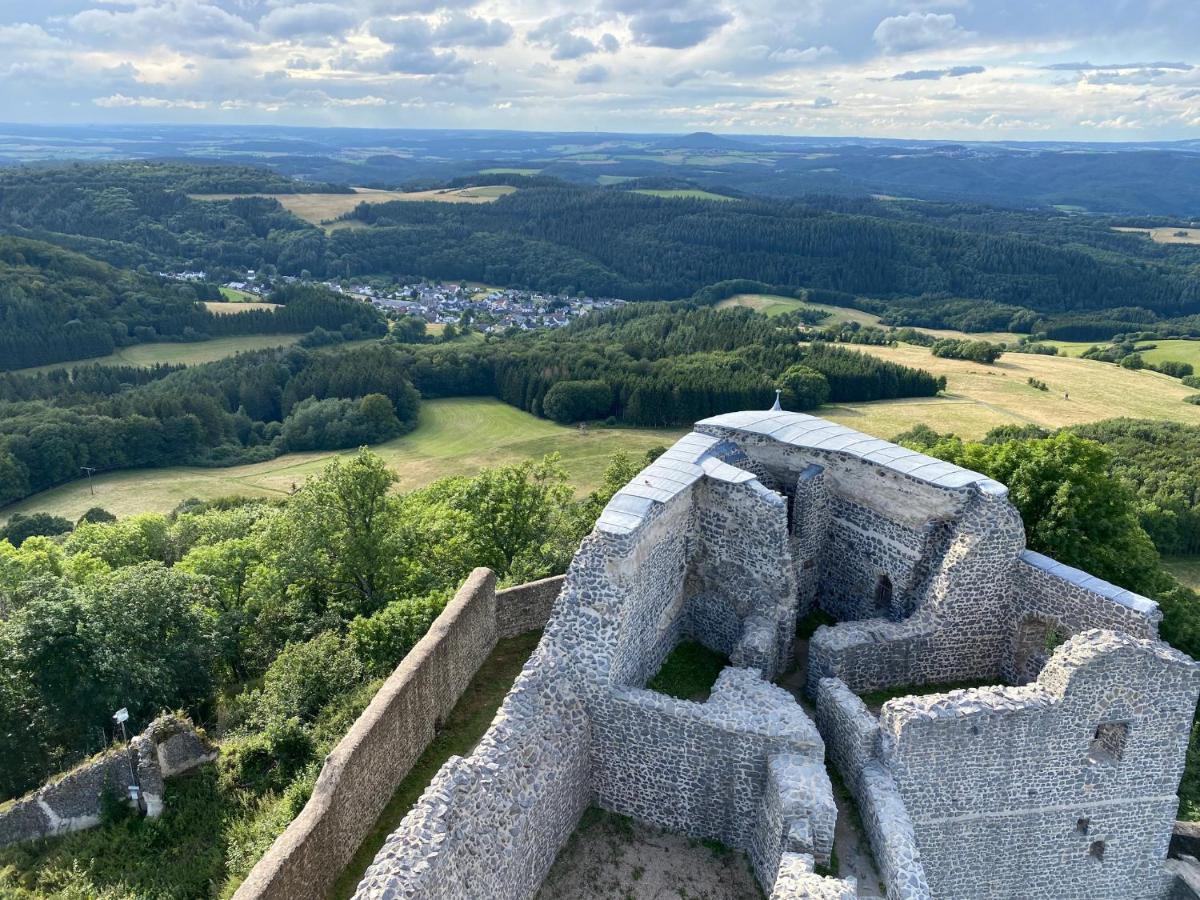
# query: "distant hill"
{"type": "Point", "coordinates": [702, 140]}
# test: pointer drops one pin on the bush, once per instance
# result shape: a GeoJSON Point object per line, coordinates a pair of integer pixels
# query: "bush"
{"type": "Point", "coordinates": [1040, 385]}
{"type": "Point", "coordinates": [577, 401]}
{"type": "Point", "coordinates": [381, 640]}
{"type": "Point", "coordinates": [1133, 361]}
{"type": "Point", "coordinates": [21, 526]}
{"type": "Point", "coordinates": [270, 759]}
{"type": "Point", "coordinates": [334, 424]}
{"type": "Point", "coordinates": [1174, 368]}
{"type": "Point", "coordinates": [97, 515]}
{"type": "Point", "coordinates": [303, 678]}
{"type": "Point", "coordinates": [976, 351]}
{"type": "Point", "coordinates": [803, 388]}
{"type": "Point", "coordinates": [1192, 381]}
{"type": "Point", "coordinates": [1193, 399]}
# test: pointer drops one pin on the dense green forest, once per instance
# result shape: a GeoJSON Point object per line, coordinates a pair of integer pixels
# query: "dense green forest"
{"type": "Point", "coordinates": [57, 305]}
{"type": "Point", "coordinates": [646, 364]}
{"type": "Point", "coordinates": [921, 264]}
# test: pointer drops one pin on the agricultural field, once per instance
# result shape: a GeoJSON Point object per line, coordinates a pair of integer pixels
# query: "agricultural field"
{"type": "Point", "coordinates": [235, 307]}
{"type": "Point", "coordinates": [684, 194]}
{"type": "Point", "coordinates": [774, 305]}
{"type": "Point", "coordinates": [503, 171]}
{"type": "Point", "coordinates": [233, 295]}
{"type": "Point", "coordinates": [1185, 568]}
{"type": "Point", "coordinates": [1168, 235]}
{"type": "Point", "coordinates": [979, 397]}
{"type": "Point", "coordinates": [322, 208]}
{"type": "Point", "coordinates": [189, 354]}
{"type": "Point", "coordinates": [457, 436]}
{"type": "Point", "coordinates": [1177, 350]}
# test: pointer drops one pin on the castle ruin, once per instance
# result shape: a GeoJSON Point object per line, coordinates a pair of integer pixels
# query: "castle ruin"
{"type": "Point", "coordinates": [1057, 783]}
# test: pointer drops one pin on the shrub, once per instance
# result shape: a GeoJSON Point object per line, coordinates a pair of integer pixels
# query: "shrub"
{"type": "Point", "coordinates": [976, 351]}
{"type": "Point", "coordinates": [381, 640]}
{"type": "Point", "coordinates": [1040, 385]}
{"type": "Point", "coordinates": [1174, 368]}
{"type": "Point", "coordinates": [97, 515]}
{"type": "Point", "coordinates": [577, 401]}
{"type": "Point", "coordinates": [303, 678]}
{"type": "Point", "coordinates": [21, 526]}
{"type": "Point", "coordinates": [803, 388]}
{"type": "Point", "coordinates": [1193, 399]}
{"type": "Point", "coordinates": [1133, 361]}
{"type": "Point", "coordinates": [1192, 381]}
{"type": "Point", "coordinates": [270, 759]}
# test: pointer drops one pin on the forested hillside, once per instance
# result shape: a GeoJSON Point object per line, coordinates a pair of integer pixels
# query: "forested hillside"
{"type": "Point", "coordinates": [57, 305]}
{"type": "Point", "coordinates": [922, 261]}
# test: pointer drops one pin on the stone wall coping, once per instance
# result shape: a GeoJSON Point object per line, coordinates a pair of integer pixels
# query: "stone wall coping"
{"type": "Point", "coordinates": [1079, 578]}
{"type": "Point", "coordinates": [814, 433]}
{"type": "Point", "coordinates": [1076, 653]}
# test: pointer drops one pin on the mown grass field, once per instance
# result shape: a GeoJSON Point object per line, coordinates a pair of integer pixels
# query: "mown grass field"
{"type": "Point", "coordinates": [1168, 235]}
{"type": "Point", "coordinates": [321, 208]}
{"type": "Point", "coordinates": [503, 171]}
{"type": "Point", "coordinates": [774, 305]}
{"type": "Point", "coordinates": [233, 295]}
{"type": "Point", "coordinates": [458, 436]}
{"type": "Point", "coordinates": [979, 397]}
{"type": "Point", "coordinates": [684, 193]}
{"type": "Point", "coordinates": [236, 306]}
{"type": "Point", "coordinates": [1178, 351]}
{"type": "Point", "coordinates": [187, 354]}
{"type": "Point", "coordinates": [1184, 568]}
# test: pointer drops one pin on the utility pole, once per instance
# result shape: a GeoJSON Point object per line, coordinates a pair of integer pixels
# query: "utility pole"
{"type": "Point", "coordinates": [88, 470]}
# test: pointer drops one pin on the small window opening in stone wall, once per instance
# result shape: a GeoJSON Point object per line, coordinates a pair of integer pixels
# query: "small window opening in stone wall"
{"type": "Point", "coordinates": [883, 596]}
{"type": "Point", "coordinates": [1108, 743]}
{"type": "Point", "coordinates": [1096, 851]}
{"type": "Point", "coordinates": [1082, 826]}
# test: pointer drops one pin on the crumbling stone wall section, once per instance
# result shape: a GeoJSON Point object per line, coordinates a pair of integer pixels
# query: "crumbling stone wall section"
{"type": "Point", "coordinates": [797, 880]}
{"type": "Point", "coordinates": [853, 742]}
{"type": "Point", "coordinates": [1033, 770]}
{"type": "Point", "coordinates": [810, 532]}
{"type": "Point", "coordinates": [73, 801]}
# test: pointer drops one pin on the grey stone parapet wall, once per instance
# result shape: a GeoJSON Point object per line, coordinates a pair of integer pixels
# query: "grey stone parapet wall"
{"type": "Point", "coordinates": [359, 777]}
{"type": "Point", "coordinates": [72, 801]}
{"type": "Point", "coordinates": [852, 736]}
{"type": "Point", "coordinates": [1076, 773]}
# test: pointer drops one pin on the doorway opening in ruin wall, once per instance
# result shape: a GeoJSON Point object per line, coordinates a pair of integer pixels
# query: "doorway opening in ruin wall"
{"type": "Point", "coordinates": [1033, 642]}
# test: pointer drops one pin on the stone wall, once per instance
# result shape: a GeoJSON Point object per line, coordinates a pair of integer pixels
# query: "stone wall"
{"type": "Point", "coordinates": [526, 607]}
{"type": "Point", "coordinates": [852, 737]}
{"type": "Point", "coordinates": [363, 771]}
{"type": "Point", "coordinates": [1073, 777]}
{"type": "Point", "coordinates": [73, 801]}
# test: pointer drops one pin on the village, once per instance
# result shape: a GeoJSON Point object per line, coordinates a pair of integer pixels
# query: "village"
{"type": "Point", "coordinates": [484, 308]}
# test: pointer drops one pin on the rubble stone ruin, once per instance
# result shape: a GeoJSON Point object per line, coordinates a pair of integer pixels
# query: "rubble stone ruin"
{"type": "Point", "coordinates": [1058, 783]}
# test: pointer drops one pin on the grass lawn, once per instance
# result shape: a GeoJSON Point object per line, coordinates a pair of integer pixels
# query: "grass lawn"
{"type": "Point", "coordinates": [457, 436]}
{"type": "Point", "coordinates": [464, 727]}
{"type": "Point", "coordinates": [1185, 568]}
{"type": "Point", "coordinates": [684, 193]}
{"type": "Point", "coordinates": [689, 672]}
{"type": "Point", "coordinates": [232, 307]}
{"type": "Point", "coordinates": [190, 354]}
{"type": "Point", "coordinates": [1170, 234]}
{"type": "Point", "coordinates": [1177, 351]}
{"type": "Point", "coordinates": [320, 208]}
{"type": "Point", "coordinates": [502, 171]}
{"type": "Point", "coordinates": [980, 397]}
{"type": "Point", "coordinates": [233, 295]}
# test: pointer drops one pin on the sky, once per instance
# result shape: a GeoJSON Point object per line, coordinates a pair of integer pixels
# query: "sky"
{"type": "Point", "coordinates": [960, 69]}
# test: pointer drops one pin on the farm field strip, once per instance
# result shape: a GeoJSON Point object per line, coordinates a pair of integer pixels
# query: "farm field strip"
{"type": "Point", "coordinates": [319, 209]}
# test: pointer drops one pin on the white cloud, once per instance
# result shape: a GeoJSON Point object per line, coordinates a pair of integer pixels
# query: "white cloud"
{"type": "Point", "coordinates": [917, 31]}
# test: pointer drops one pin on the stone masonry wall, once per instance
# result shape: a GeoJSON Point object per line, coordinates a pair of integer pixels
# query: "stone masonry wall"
{"type": "Point", "coordinates": [361, 774]}
{"type": "Point", "coordinates": [71, 802]}
{"type": "Point", "coordinates": [852, 737]}
{"type": "Point", "coordinates": [1032, 770]}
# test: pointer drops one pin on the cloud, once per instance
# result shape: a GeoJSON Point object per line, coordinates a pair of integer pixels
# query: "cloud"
{"type": "Point", "coordinates": [795, 56]}
{"type": "Point", "coordinates": [823, 103]}
{"type": "Point", "coordinates": [157, 23]}
{"type": "Point", "coordinates": [318, 21]}
{"type": "Point", "coordinates": [463, 30]}
{"type": "Point", "coordinates": [678, 78]}
{"type": "Point", "coordinates": [595, 74]}
{"type": "Point", "coordinates": [917, 31]}
{"type": "Point", "coordinates": [412, 50]}
{"type": "Point", "coordinates": [676, 28]}
{"type": "Point", "coordinates": [1089, 67]}
{"type": "Point", "coordinates": [120, 100]}
{"type": "Point", "coordinates": [564, 43]}
{"type": "Point", "coordinates": [609, 43]}
{"type": "Point", "coordinates": [935, 74]}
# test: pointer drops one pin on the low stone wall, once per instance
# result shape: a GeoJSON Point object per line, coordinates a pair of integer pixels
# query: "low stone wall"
{"type": "Point", "coordinates": [527, 606]}
{"type": "Point", "coordinates": [363, 771]}
{"type": "Point", "coordinates": [72, 801]}
{"type": "Point", "coordinates": [852, 741]}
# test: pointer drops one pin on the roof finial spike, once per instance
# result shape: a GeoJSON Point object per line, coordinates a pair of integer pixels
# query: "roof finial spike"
{"type": "Point", "coordinates": [778, 407]}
